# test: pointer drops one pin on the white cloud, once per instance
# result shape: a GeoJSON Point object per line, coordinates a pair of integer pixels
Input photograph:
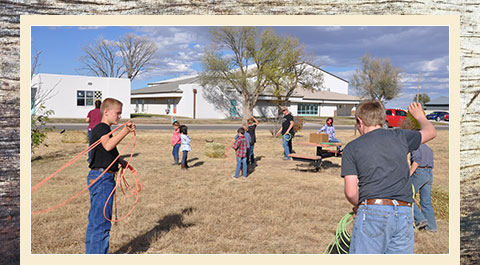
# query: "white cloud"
{"type": "Point", "coordinates": [434, 65]}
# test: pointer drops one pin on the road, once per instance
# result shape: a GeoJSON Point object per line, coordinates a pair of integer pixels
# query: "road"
{"type": "Point", "coordinates": [214, 127]}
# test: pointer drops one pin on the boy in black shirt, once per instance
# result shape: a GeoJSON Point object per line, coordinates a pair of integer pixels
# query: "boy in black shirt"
{"type": "Point", "coordinates": [98, 229]}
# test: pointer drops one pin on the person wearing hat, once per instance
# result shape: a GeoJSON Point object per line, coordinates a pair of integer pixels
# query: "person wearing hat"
{"type": "Point", "coordinates": [287, 132]}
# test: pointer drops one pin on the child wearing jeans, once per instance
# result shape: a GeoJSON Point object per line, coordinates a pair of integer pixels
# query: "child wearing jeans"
{"type": "Point", "coordinates": [185, 145]}
{"type": "Point", "coordinates": [252, 125]}
{"type": "Point", "coordinates": [176, 141]}
{"type": "Point", "coordinates": [240, 146]}
{"type": "Point", "coordinates": [330, 130]}
{"type": "Point", "coordinates": [105, 154]}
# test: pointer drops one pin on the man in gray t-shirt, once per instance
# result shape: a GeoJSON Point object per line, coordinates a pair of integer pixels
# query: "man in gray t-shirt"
{"type": "Point", "coordinates": [377, 182]}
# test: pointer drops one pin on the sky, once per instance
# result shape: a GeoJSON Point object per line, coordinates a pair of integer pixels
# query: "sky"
{"type": "Point", "coordinates": [336, 49]}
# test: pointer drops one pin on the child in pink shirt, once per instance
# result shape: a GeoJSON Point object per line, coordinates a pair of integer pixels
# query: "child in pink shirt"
{"type": "Point", "coordinates": [176, 141]}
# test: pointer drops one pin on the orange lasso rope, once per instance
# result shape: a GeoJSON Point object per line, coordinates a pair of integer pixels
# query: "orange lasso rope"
{"type": "Point", "coordinates": [133, 191]}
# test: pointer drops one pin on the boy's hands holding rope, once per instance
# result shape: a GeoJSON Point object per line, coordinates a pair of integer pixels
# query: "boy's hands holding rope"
{"type": "Point", "coordinates": [130, 126]}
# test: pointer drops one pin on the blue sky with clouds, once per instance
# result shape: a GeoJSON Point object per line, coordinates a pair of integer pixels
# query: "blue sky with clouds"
{"type": "Point", "coordinates": [337, 49]}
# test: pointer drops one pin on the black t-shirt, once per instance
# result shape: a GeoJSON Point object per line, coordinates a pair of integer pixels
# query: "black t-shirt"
{"type": "Point", "coordinates": [379, 159]}
{"type": "Point", "coordinates": [251, 131]}
{"type": "Point", "coordinates": [286, 123]}
{"type": "Point", "coordinates": [102, 158]}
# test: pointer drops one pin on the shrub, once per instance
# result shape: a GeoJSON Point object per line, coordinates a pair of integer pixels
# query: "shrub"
{"type": "Point", "coordinates": [38, 129]}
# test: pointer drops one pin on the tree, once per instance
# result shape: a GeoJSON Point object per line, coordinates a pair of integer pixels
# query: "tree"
{"type": "Point", "coordinates": [137, 53]}
{"type": "Point", "coordinates": [378, 79]}
{"type": "Point", "coordinates": [130, 55]}
{"type": "Point", "coordinates": [422, 98]}
{"type": "Point", "coordinates": [241, 64]}
{"type": "Point", "coordinates": [39, 95]}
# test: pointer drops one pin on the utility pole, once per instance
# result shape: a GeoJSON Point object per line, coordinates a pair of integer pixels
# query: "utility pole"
{"type": "Point", "coordinates": [418, 88]}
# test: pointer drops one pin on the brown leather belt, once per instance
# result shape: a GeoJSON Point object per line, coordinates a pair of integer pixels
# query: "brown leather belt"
{"type": "Point", "coordinates": [386, 202]}
{"type": "Point", "coordinates": [102, 169]}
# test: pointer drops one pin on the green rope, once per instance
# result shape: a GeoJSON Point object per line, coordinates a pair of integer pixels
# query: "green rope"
{"type": "Point", "coordinates": [341, 234]}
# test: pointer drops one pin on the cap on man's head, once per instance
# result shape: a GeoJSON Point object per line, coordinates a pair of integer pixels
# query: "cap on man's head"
{"type": "Point", "coordinates": [284, 108]}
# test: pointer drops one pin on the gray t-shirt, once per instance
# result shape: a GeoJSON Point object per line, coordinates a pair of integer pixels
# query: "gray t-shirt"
{"type": "Point", "coordinates": [423, 156]}
{"type": "Point", "coordinates": [379, 159]}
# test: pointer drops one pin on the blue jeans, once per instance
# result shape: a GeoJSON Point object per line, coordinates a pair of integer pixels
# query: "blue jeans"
{"type": "Point", "coordinates": [382, 229]}
{"type": "Point", "coordinates": [176, 147]}
{"type": "Point", "coordinates": [286, 149]}
{"type": "Point", "coordinates": [422, 180]}
{"type": "Point", "coordinates": [184, 158]}
{"type": "Point", "coordinates": [98, 229]}
{"type": "Point", "coordinates": [90, 152]}
{"type": "Point", "coordinates": [241, 162]}
{"type": "Point", "coordinates": [334, 140]}
{"type": "Point", "coordinates": [250, 155]}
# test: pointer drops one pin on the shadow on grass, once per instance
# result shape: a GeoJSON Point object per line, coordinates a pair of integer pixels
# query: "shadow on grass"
{"type": "Point", "coordinates": [142, 243]}
{"type": "Point", "coordinates": [308, 167]}
{"type": "Point", "coordinates": [128, 156]}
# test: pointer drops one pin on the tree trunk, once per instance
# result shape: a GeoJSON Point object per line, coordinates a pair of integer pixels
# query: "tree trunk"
{"type": "Point", "coordinates": [247, 111]}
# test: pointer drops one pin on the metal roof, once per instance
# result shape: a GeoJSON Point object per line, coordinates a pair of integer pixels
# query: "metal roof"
{"type": "Point", "coordinates": [166, 87]}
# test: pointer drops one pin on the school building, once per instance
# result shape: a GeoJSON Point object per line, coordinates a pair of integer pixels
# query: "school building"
{"type": "Point", "coordinates": [73, 96]}
{"type": "Point", "coordinates": [184, 96]}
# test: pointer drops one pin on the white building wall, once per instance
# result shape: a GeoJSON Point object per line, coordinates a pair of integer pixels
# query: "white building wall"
{"type": "Point", "coordinates": [334, 84]}
{"type": "Point", "coordinates": [327, 110]}
{"type": "Point", "coordinates": [204, 109]}
{"type": "Point", "coordinates": [64, 94]}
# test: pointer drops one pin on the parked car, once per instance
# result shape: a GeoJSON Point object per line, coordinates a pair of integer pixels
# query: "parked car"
{"type": "Point", "coordinates": [446, 117]}
{"type": "Point", "coordinates": [394, 118]}
{"type": "Point", "coordinates": [437, 115]}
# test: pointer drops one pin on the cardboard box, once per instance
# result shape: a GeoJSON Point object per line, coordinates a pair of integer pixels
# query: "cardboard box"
{"type": "Point", "coordinates": [318, 138]}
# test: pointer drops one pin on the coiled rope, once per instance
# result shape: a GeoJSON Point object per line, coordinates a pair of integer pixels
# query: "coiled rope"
{"type": "Point", "coordinates": [122, 182]}
{"type": "Point", "coordinates": [340, 243]}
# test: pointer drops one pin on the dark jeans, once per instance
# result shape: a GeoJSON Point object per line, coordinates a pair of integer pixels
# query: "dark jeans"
{"type": "Point", "coordinates": [98, 229]}
{"type": "Point", "coordinates": [90, 152]}
{"type": "Point", "coordinates": [184, 158]}
{"type": "Point", "coordinates": [250, 155]}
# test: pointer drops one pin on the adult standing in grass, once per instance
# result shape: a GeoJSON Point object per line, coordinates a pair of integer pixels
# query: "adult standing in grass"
{"type": "Point", "coordinates": [378, 183]}
{"type": "Point", "coordinates": [287, 132]}
{"type": "Point", "coordinates": [422, 178]}
{"type": "Point", "coordinates": [94, 117]}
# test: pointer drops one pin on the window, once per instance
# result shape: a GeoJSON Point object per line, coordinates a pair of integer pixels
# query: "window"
{"type": "Point", "coordinates": [308, 109]}
{"type": "Point", "coordinates": [88, 97]}
{"type": "Point", "coordinates": [389, 112]}
{"type": "Point", "coordinates": [400, 113]}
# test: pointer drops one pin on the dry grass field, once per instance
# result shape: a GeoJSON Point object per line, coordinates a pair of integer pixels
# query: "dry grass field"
{"type": "Point", "coordinates": [279, 208]}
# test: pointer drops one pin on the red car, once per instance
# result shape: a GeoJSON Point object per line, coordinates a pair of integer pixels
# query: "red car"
{"type": "Point", "coordinates": [446, 117]}
{"type": "Point", "coordinates": [394, 118]}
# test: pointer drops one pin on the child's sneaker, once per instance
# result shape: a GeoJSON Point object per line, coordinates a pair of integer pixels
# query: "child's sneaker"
{"type": "Point", "coordinates": [234, 177]}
